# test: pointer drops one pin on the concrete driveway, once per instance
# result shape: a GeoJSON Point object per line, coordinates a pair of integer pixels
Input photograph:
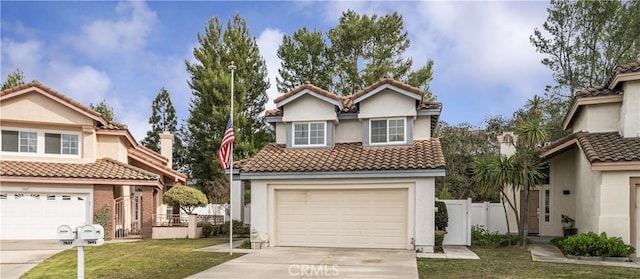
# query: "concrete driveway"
{"type": "Point", "coordinates": [288, 263]}
{"type": "Point", "coordinates": [19, 256]}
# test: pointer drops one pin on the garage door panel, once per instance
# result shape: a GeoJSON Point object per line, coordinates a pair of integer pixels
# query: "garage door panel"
{"type": "Point", "coordinates": [40, 213]}
{"type": "Point", "coordinates": [363, 218]}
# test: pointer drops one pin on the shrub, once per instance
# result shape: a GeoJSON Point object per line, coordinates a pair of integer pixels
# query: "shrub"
{"type": "Point", "coordinates": [482, 237]}
{"type": "Point", "coordinates": [246, 244]}
{"type": "Point", "coordinates": [442, 217]}
{"type": "Point", "coordinates": [591, 244]}
{"type": "Point", "coordinates": [439, 238]}
{"type": "Point", "coordinates": [208, 230]}
{"type": "Point", "coordinates": [239, 228]}
{"type": "Point", "coordinates": [103, 218]}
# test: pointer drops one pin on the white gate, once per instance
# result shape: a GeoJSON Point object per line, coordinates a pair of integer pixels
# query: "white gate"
{"type": "Point", "coordinates": [459, 229]}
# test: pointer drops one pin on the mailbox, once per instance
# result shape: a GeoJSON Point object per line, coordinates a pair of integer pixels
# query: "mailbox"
{"type": "Point", "coordinates": [91, 232]}
{"type": "Point", "coordinates": [66, 235]}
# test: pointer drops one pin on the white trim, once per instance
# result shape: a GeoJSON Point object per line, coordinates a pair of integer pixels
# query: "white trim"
{"type": "Point", "coordinates": [312, 93]}
{"type": "Point", "coordinates": [40, 142]}
{"type": "Point", "coordinates": [388, 142]}
{"type": "Point", "coordinates": [387, 86]}
{"type": "Point", "coordinates": [343, 174]}
{"type": "Point", "coordinates": [308, 124]}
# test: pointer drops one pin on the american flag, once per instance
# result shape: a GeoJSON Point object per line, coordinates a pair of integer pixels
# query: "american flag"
{"type": "Point", "coordinates": [224, 154]}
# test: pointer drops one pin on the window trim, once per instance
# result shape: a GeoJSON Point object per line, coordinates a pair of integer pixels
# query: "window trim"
{"type": "Point", "coordinates": [308, 124]}
{"type": "Point", "coordinates": [388, 142]}
{"type": "Point", "coordinates": [40, 142]}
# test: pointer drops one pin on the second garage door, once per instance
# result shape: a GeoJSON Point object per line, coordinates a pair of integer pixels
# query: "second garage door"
{"type": "Point", "coordinates": [360, 218]}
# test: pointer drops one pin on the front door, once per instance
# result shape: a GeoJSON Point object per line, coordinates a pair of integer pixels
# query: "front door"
{"type": "Point", "coordinates": [534, 211]}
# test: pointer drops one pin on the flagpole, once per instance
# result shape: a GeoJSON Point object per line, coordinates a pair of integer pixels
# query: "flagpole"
{"type": "Point", "coordinates": [232, 67]}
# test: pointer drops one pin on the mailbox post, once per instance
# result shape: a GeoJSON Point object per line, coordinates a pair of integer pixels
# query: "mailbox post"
{"type": "Point", "coordinates": [80, 236]}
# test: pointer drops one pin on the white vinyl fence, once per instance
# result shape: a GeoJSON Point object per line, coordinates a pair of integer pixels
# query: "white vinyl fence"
{"type": "Point", "coordinates": [490, 216]}
{"type": "Point", "coordinates": [463, 214]}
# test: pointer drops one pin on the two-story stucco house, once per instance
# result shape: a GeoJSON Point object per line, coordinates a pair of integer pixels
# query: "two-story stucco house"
{"type": "Point", "coordinates": [348, 171]}
{"type": "Point", "coordinates": [594, 173]}
{"type": "Point", "coordinates": [62, 162]}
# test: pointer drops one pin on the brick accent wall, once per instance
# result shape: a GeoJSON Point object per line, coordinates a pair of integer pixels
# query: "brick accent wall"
{"type": "Point", "coordinates": [148, 209]}
{"type": "Point", "coordinates": [103, 195]}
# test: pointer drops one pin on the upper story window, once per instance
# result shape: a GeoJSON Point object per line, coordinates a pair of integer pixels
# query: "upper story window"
{"type": "Point", "coordinates": [40, 142]}
{"type": "Point", "coordinates": [60, 144]}
{"type": "Point", "coordinates": [19, 141]}
{"type": "Point", "coordinates": [309, 134]}
{"type": "Point", "coordinates": [387, 131]}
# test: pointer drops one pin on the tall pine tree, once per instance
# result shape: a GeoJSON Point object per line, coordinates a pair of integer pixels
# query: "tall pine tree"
{"type": "Point", "coordinates": [210, 106]}
{"type": "Point", "coordinates": [105, 109]}
{"type": "Point", "coordinates": [163, 118]}
{"type": "Point", "coordinates": [14, 79]}
{"type": "Point", "coordinates": [361, 50]}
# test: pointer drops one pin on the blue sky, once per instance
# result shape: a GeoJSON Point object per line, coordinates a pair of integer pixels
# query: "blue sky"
{"type": "Point", "coordinates": [124, 52]}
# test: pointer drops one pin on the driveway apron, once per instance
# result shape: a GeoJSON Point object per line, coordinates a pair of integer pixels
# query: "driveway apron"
{"type": "Point", "coordinates": [19, 256]}
{"type": "Point", "coordinates": [288, 263]}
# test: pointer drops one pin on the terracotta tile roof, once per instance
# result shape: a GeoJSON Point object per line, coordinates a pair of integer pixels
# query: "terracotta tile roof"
{"type": "Point", "coordinates": [303, 87]}
{"type": "Point", "coordinates": [628, 68]}
{"type": "Point", "coordinates": [609, 147]}
{"type": "Point", "coordinates": [273, 112]}
{"type": "Point", "coordinates": [384, 81]}
{"type": "Point", "coordinates": [7, 92]}
{"type": "Point", "coordinates": [155, 163]}
{"type": "Point", "coordinates": [113, 126]}
{"type": "Point", "coordinates": [602, 147]}
{"type": "Point", "coordinates": [101, 169]}
{"type": "Point", "coordinates": [596, 91]}
{"type": "Point", "coordinates": [347, 105]}
{"type": "Point", "coordinates": [430, 105]}
{"type": "Point", "coordinates": [422, 154]}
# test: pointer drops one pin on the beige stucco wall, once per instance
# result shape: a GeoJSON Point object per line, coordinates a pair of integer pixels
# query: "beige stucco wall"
{"type": "Point", "coordinates": [422, 128]}
{"type": "Point", "coordinates": [34, 107]}
{"type": "Point", "coordinates": [598, 118]}
{"type": "Point", "coordinates": [281, 133]}
{"type": "Point", "coordinates": [562, 177]}
{"type": "Point", "coordinates": [112, 146]}
{"type": "Point", "coordinates": [421, 203]}
{"type": "Point", "coordinates": [387, 104]}
{"type": "Point", "coordinates": [615, 203]}
{"type": "Point", "coordinates": [348, 130]}
{"type": "Point", "coordinates": [308, 108]}
{"type": "Point", "coordinates": [587, 191]}
{"type": "Point", "coordinates": [630, 110]}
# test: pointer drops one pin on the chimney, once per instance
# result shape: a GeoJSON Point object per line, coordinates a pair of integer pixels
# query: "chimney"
{"type": "Point", "coordinates": [166, 147]}
{"type": "Point", "coordinates": [507, 141]}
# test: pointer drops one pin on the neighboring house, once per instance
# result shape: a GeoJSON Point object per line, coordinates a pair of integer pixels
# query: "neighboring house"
{"type": "Point", "coordinates": [62, 162]}
{"type": "Point", "coordinates": [594, 173]}
{"type": "Point", "coordinates": [347, 171]}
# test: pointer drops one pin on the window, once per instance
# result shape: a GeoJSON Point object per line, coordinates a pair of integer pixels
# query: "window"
{"type": "Point", "coordinates": [18, 141]}
{"type": "Point", "coordinates": [41, 142]}
{"type": "Point", "coordinates": [60, 144]}
{"type": "Point", "coordinates": [547, 196]}
{"type": "Point", "coordinates": [311, 134]}
{"type": "Point", "coordinates": [387, 131]}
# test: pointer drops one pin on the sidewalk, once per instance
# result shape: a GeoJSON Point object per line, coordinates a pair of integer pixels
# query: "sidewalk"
{"type": "Point", "coordinates": [551, 254]}
{"type": "Point", "coordinates": [451, 252]}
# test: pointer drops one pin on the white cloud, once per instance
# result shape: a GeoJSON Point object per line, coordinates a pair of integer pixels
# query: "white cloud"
{"type": "Point", "coordinates": [25, 55]}
{"type": "Point", "coordinates": [126, 34]}
{"type": "Point", "coordinates": [268, 42]}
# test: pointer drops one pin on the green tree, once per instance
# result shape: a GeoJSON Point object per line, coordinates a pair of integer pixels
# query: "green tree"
{"type": "Point", "coordinates": [163, 119]}
{"type": "Point", "coordinates": [305, 57]}
{"type": "Point", "coordinates": [14, 79]}
{"type": "Point", "coordinates": [586, 39]}
{"type": "Point", "coordinates": [209, 110]}
{"type": "Point", "coordinates": [362, 49]}
{"type": "Point", "coordinates": [105, 109]}
{"type": "Point", "coordinates": [185, 197]}
{"type": "Point", "coordinates": [531, 135]}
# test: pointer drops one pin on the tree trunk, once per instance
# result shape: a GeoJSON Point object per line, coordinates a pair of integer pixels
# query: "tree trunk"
{"type": "Point", "coordinates": [504, 207]}
{"type": "Point", "coordinates": [525, 208]}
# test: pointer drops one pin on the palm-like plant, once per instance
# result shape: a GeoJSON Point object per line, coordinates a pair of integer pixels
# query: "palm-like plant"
{"type": "Point", "coordinates": [531, 135]}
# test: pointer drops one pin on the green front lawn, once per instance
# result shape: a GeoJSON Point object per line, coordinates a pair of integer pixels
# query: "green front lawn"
{"type": "Point", "coordinates": [140, 259]}
{"type": "Point", "coordinates": [513, 262]}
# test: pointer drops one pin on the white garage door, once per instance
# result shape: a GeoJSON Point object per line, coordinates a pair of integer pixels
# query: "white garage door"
{"type": "Point", "coordinates": [363, 218]}
{"type": "Point", "coordinates": [38, 215]}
